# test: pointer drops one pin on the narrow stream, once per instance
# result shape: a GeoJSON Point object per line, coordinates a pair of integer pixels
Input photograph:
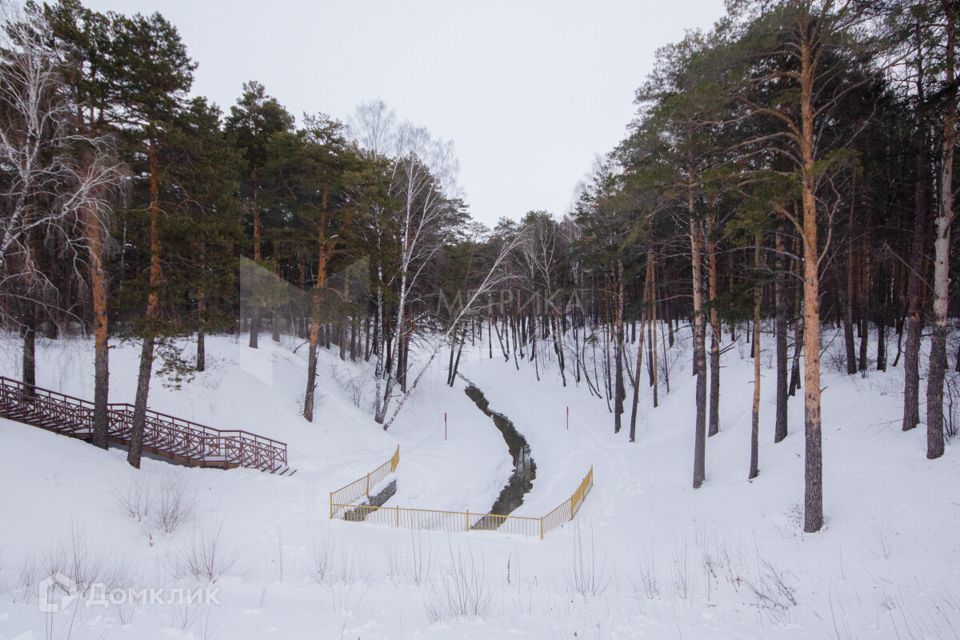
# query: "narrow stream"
{"type": "Point", "coordinates": [524, 469]}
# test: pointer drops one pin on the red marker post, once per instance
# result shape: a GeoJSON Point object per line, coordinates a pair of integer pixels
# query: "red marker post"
{"type": "Point", "coordinates": [444, 426]}
{"type": "Point", "coordinates": [568, 418]}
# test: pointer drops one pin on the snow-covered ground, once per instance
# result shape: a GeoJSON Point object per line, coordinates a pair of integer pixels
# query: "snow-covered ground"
{"type": "Point", "coordinates": [647, 556]}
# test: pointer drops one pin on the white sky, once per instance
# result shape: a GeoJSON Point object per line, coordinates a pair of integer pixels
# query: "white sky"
{"type": "Point", "coordinates": [529, 91]}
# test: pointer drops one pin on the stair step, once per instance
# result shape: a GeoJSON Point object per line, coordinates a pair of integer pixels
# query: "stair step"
{"type": "Point", "coordinates": [69, 416]}
{"type": "Point", "coordinates": [282, 471]}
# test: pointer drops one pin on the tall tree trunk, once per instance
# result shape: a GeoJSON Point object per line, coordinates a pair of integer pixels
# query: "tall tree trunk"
{"type": "Point", "coordinates": [317, 308]}
{"type": "Point", "coordinates": [453, 348]}
{"type": "Point", "coordinates": [255, 198]}
{"type": "Point", "coordinates": [354, 336]}
{"type": "Point", "coordinates": [456, 362]}
{"type": "Point", "coordinates": [713, 427]}
{"type": "Point", "coordinates": [941, 265]}
{"type": "Point", "coordinates": [403, 352]}
{"type": "Point", "coordinates": [140, 402]}
{"type": "Point", "coordinates": [489, 337]}
{"type": "Point", "coordinates": [201, 350]}
{"type": "Point", "coordinates": [911, 356]}
{"type": "Point", "coordinates": [93, 232]}
{"type": "Point", "coordinates": [532, 319]}
{"type": "Point", "coordinates": [668, 317]}
{"type": "Point", "coordinates": [29, 356]}
{"type": "Point", "coordinates": [636, 386]}
{"type": "Point", "coordinates": [343, 316]}
{"type": "Point", "coordinates": [366, 338]}
{"type": "Point", "coordinates": [654, 364]}
{"type": "Point", "coordinates": [699, 346]}
{"type": "Point", "coordinates": [255, 320]}
{"type": "Point", "coordinates": [780, 296]}
{"type": "Point", "coordinates": [797, 330]}
{"type": "Point", "coordinates": [254, 342]}
{"type": "Point", "coordinates": [650, 353]}
{"type": "Point", "coordinates": [558, 346]}
{"type": "Point", "coordinates": [576, 343]}
{"type": "Point", "coordinates": [153, 313]}
{"type": "Point", "coordinates": [901, 322]}
{"type": "Point", "coordinates": [866, 290]}
{"type": "Point", "coordinates": [201, 334]}
{"type": "Point", "coordinates": [813, 461]}
{"type": "Point", "coordinates": [275, 326]}
{"type": "Point", "coordinates": [846, 287]}
{"type": "Point", "coordinates": [882, 337]}
{"type": "Point", "coordinates": [619, 390]}
{"type": "Point", "coordinates": [755, 417]}
{"type": "Point", "coordinates": [658, 295]}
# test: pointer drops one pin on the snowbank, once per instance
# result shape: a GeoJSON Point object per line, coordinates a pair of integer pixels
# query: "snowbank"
{"type": "Point", "coordinates": [647, 557]}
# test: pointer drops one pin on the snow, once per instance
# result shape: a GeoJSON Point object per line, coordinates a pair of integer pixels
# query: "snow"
{"type": "Point", "coordinates": [646, 557]}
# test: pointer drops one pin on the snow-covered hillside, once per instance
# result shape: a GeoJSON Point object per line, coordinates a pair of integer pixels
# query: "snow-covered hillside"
{"type": "Point", "coordinates": [647, 556]}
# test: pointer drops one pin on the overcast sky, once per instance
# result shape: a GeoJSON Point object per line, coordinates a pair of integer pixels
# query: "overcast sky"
{"type": "Point", "coordinates": [529, 92]}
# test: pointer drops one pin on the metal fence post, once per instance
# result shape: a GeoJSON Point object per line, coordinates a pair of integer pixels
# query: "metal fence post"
{"type": "Point", "coordinates": [467, 527]}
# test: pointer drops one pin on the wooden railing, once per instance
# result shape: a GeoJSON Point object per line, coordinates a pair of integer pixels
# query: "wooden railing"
{"type": "Point", "coordinates": [167, 436]}
{"type": "Point", "coordinates": [234, 447]}
{"type": "Point", "coordinates": [453, 521]}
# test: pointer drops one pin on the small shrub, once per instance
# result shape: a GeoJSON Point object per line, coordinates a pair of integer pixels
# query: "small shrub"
{"type": "Point", "coordinates": [322, 562]}
{"type": "Point", "coordinates": [649, 583]}
{"type": "Point", "coordinates": [771, 589]}
{"type": "Point", "coordinates": [205, 558]}
{"type": "Point", "coordinates": [590, 576]}
{"type": "Point", "coordinates": [460, 591]}
{"type": "Point", "coordinates": [134, 501]}
{"type": "Point", "coordinates": [420, 560]}
{"type": "Point", "coordinates": [174, 507]}
{"type": "Point", "coordinates": [166, 509]}
{"type": "Point", "coordinates": [27, 582]}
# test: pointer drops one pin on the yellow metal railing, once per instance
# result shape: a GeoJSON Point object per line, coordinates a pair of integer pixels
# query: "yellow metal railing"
{"type": "Point", "coordinates": [453, 521]}
{"type": "Point", "coordinates": [437, 520]}
{"type": "Point", "coordinates": [348, 495]}
{"type": "Point", "coordinates": [569, 507]}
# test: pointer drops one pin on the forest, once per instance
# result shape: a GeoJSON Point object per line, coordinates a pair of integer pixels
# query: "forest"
{"type": "Point", "coordinates": [788, 177]}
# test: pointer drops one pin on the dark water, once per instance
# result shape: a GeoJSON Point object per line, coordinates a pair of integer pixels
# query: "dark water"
{"type": "Point", "coordinates": [524, 469]}
{"type": "Point", "coordinates": [360, 512]}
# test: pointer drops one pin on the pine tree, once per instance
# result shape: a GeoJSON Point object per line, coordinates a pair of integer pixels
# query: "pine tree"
{"type": "Point", "coordinates": [307, 174]}
{"type": "Point", "coordinates": [203, 228]}
{"type": "Point", "coordinates": [92, 73]}
{"type": "Point", "coordinates": [157, 75]}
{"type": "Point", "coordinates": [253, 122]}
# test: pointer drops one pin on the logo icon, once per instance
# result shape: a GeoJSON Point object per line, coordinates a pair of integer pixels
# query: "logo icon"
{"type": "Point", "coordinates": [56, 592]}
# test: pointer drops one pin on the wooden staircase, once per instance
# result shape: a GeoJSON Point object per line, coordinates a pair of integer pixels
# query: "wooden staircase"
{"type": "Point", "coordinates": [164, 436]}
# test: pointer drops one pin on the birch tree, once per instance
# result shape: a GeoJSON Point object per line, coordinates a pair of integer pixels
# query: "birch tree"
{"type": "Point", "coordinates": [941, 244]}
{"type": "Point", "coordinates": [406, 230]}
{"type": "Point", "coordinates": [56, 177]}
